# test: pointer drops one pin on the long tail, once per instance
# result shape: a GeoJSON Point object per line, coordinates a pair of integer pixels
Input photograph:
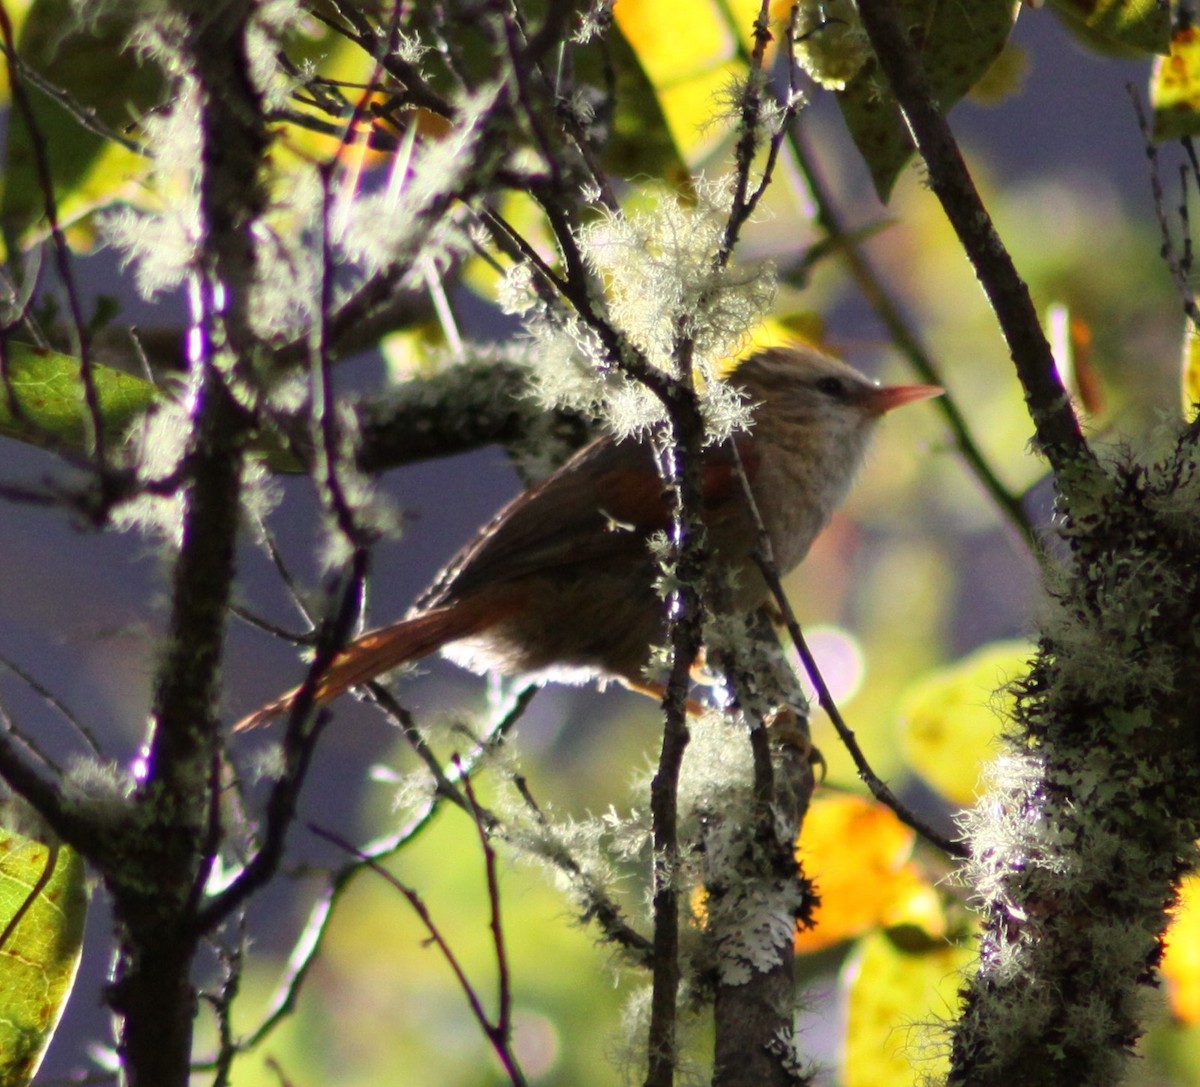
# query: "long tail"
{"type": "Point", "coordinates": [379, 651]}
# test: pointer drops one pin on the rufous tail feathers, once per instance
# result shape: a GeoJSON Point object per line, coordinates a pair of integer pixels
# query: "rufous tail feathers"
{"type": "Point", "coordinates": [376, 652]}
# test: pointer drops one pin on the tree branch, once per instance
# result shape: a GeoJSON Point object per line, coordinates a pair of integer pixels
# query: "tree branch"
{"type": "Point", "coordinates": [1056, 426]}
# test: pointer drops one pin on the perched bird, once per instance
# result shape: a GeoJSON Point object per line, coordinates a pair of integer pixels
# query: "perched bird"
{"type": "Point", "coordinates": [561, 583]}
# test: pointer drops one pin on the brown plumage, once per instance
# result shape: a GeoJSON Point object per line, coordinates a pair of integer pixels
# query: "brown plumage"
{"type": "Point", "coordinates": [561, 583]}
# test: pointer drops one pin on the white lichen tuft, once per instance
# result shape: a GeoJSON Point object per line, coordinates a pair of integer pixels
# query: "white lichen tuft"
{"type": "Point", "coordinates": [412, 216]}
{"type": "Point", "coordinates": [157, 445]}
{"type": "Point", "coordinates": [98, 790]}
{"type": "Point", "coordinates": [287, 291]}
{"type": "Point", "coordinates": [662, 285]}
{"type": "Point", "coordinates": [662, 282]}
{"type": "Point", "coordinates": [159, 238]}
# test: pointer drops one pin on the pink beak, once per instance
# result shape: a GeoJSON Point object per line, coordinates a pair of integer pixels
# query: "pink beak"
{"type": "Point", "coordinates": [887, 397]}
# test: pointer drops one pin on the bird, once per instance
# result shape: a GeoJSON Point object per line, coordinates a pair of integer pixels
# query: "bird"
{"type": "Point", "coordinates": [561, 584]}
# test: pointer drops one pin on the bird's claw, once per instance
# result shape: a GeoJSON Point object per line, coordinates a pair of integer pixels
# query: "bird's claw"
{"type": "Point", "coordinates": [788, 729]}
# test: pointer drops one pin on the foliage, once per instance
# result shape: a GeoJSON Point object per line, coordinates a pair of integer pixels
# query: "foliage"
{"type": "Point", "coordinates": [43, 903]}
{"type": "Point", "coordinates": [292, 183]}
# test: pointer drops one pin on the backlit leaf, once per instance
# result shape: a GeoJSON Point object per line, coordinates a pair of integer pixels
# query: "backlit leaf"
{"type": "Point", "coordinates": [957, 44]}
{"type": "Point", "coordinates": [1175, 87]}
{"type": "Point", "coordinates": [1140, 26]}
{"type": "Point", "coordinates": [858, 854]}
{"type": "Point", "coordinates": [42, 401]}
{"type": "Point", "coordinates": [43, 904]}
{"type": "Point", "coordinates": [1190, 377]}
{"type": "Point", "coordinates": [898, 1001]}
{"type": "Point", "coordinates": [1180, 965]}
{"type": "Point", "coordinates": [950, 718]}
{"type": "Point", "coordinates": [691, 53]}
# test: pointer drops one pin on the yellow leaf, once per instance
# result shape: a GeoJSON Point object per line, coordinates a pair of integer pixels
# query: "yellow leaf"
{"type": "Point", "coordinates": [1191, 375]}
{"type": "Point", "coordinates": [831, 44]}
{"type": "Point", "coordinates": [43, 903]}
{"type": "Point", "coordinates": [1181, 962]}
{"type": "Point", "coordinates": [1175, 87]}
{"type": "Point", "coordinates": [1117, 27]}
{"type": "Point", "coordinates": [686, 51]}
{"type": "Point", "coordinates": [858, 854]}
{"type": "Point", "coordinates": [949, 720]}
{"type": "Point", "coordinates": [691, 54]}
{"type": "Point", "coordinates": [898, 1001]}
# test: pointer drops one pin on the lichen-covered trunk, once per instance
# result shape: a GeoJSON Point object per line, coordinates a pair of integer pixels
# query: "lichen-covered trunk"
{"type": "Point", "coordinates": [1091, 817]}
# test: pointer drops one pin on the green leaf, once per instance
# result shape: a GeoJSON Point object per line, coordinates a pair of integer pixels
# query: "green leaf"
{"type": "Point", "coordinates": [1121, 26]}
{"type": "Point", "coordinates": [42, 401]}
{"type": "Point", "coordinates": [957, 43]}
{"type": "Point", "coordinates": [43, 905]}
{"type": "Point", "coordinates": [94, 73]}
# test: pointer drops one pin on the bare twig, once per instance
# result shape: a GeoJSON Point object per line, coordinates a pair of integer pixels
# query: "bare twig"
{"type": "Point", "coordinates": [481, 818]}
{"type": "Point", "coordinates": [497, 1033]}
{"type": "Point", "coordinates": [765, 561]}
{"type": "Point", "coordinates": [48, 696]}
{"type": "Point", "coordinates": [906, 339]}
{"type": "Point", "coordinates": [299, 743]}
{"type": "Point", "coordinates": [879, 788]}
{"type": "Point", "coordinates": [312, 937]}
{"type": "Point", "coordinates": [1177, 265]}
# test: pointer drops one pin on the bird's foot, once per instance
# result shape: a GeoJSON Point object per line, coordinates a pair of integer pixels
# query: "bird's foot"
{"type": "Point", "coordinates": [789, 730]}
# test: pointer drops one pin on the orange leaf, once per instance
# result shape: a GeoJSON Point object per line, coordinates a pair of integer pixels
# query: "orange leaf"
{"type": "Point", "coordinates": [858, 854]}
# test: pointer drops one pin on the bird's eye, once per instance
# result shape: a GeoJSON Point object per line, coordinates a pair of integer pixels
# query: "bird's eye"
{"type": "Point", "coordinates": [831, 386]}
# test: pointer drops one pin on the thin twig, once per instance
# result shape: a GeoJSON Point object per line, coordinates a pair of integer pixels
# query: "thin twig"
{"type": "Point", "coordinates": [1175, 264]}
{"type": "Point", "coordinates": [499, 1039]}
{"type": "Point", "coordinates": [299, 743]}
{"type": "Point", "coordinates": [765, 560]}
{"type": "Point", "coordinates": [906, 339]}
{"type": "Point", "coordinates": [599, 906]}
{"type": "Point", "coordinates": [48, 696]}
{"type": "Point", "coordinates": [312, 937]}
{"type": "Point", "coordinates": [482, 818]}
{"type": "Point", "coordinates": [1055, 423]}
{"type": "Point", "coordinates": [879, 788]}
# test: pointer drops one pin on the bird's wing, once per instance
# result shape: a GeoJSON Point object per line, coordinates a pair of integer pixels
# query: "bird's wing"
{"type": "Point", "coordinates": [598, 507]}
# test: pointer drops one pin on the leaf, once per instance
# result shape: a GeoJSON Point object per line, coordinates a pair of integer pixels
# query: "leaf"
{"type": "Point", "coordinates": [42, 401]}
{"type": "Point", "coordinates": [950, 718]}
{"type": "Point", "coordinates": [858, 854]}
{"type": "Point", "coordinates": [1175, 87]}
{"type": "Point", "coordinates": [1190, 376]}
{"type": "Point", "coordinates": [43, 905]}
{"type": "Point", "coordinates": [1140, 26]}
{"type": "Point", "coordinates": [1180, 964]}
{"type": "Point", "coordinates": [641, 140]}
{"type": "Point", "coordinates": [957, 44]}
{"type": "Point", "coordinates": [1004, 78]}
{"type": "Point", "coordinates": [691, 54]}
{"type": "Point", "coordinates": [89, 65]}
{"type": "Point", "coordinates": [898, 1000]}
